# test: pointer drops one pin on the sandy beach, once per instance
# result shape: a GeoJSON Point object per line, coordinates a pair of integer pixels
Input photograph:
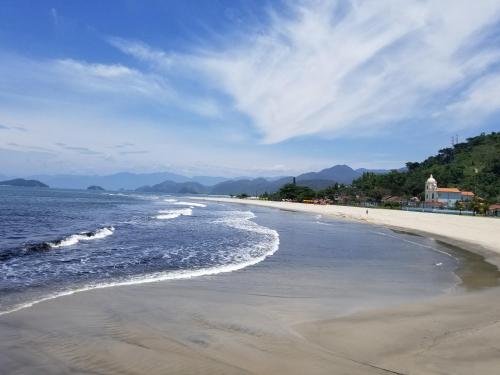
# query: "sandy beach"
{"type": "Point", "coordinates": [480, 234]}
{"type": "Point", "coordinates": [266, 320]}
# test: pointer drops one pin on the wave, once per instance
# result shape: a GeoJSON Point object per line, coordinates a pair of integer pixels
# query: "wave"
{"type": "Point", "coordinates": [73, 239]}
{"type": "Point", "coordinates": [170, 200]}
{"type": "Point", "coordinates": [191, 204]}
{"type": "Point", "coordinates": [172, 214]}
{"type": "Point", "coordinates": [83, 236]}
{"type": "Point", "coordinates": [243, 221]}
{"type": "Point", "coordinates": [135, 196]}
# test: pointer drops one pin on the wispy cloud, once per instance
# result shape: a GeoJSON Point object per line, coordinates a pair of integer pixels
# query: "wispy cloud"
{"type": "Point", "coordinates": [81, 150]}
{"type": "Point", "coordinates": [19, 128]}
{"type": "Point", "coordinates": [336, 71]}
{"type": "Point", "coordinates": [124, 145]}
{"type": "Point", "coordinates": [138, 152]}
{"type": "Point", "coordinates": [30, 147]}
{"type": "Point", "coordinates": [106, 86]}
{"type": "Point", "coordinates": [55, 16]}
{"type": "Point", "coordinates": [479, 101]}
{"type": "Point", "coordinates": [143, 52]}
{"type": "Point", "coordinates": [337, 68]}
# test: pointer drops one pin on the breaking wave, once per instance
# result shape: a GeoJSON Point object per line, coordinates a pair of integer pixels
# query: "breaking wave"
{"type": "Point", "coordinates": [83, 236]}
{"type": "Point", "coordinates": [172, 214]}
{"type": "Point", "coordinates": [62, 242]}
{"type": "Point", "coordinates": [191, 204]}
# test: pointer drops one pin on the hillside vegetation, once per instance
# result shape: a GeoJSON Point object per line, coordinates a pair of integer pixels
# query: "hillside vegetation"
{"type": "Point", "coordinates": [473, 165]}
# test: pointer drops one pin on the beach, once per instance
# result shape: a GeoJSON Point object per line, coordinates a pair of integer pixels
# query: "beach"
{"type": "Point", "coordinates": [271, 318]}
{"type": "Point", "coordinates": [481, 234]}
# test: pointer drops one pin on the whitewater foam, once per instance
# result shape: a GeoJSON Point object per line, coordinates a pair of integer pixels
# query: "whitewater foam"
{"type": "Point", "coordinates": [237, 219]}
{"type": "Point", "coordinates": [173, 214]}
{"type": "Point", "coordinates": [191, 204]}
{"type": "Point", "coordinates": [83, 236]}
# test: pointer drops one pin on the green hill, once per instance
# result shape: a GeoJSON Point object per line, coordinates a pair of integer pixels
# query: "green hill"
{"type": "Point", "coordinates": [473, 165]}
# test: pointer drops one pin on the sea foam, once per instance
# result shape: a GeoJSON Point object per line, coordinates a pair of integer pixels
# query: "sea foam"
{"type": "Point", "coordinates": [173, 214]}
{"type": "Point", "coordinates": [191, 204]}
{"type": "Point", "coordinates": [83, 236]}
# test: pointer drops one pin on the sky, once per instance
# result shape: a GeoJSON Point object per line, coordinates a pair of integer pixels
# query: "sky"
{"type": "Point", "coordinates": [241, 87]}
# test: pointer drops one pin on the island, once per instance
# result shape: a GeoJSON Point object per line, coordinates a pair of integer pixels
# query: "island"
{"type": "Point", "coordinates": [95, 188]}
{"type": "Point", "coordinates": [23, 183]}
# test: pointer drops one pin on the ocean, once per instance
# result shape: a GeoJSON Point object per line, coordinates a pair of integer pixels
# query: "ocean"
{"type": "Point", "coordinates": [57, 242]}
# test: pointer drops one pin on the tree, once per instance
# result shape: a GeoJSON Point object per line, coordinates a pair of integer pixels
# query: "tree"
{"type": "Point", "coordinates": [296, 192]}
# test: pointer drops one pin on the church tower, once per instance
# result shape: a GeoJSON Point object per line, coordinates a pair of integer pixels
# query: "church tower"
{"type": "Point", "coordinates": [431, 189]}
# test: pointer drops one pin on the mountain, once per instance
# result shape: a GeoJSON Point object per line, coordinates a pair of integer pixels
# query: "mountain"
{"type": "Point", "coordinates": [259, 186]}
{"type": "Point", "coordinates": [201, 184]}
{"type": "Point", "coordinates": [247, 186]}
{"type": "Point", "coordinates": [24, 183]}
{"type": "Point", "coordinates": [124, 180]}
{"type": "Point", "coordinates": [208, 180]}
{"type": "Point", "coordinates": [342, 174]}
{"type": "Point", "coordinates": [376, 171]}
{"type": "Point", "coordinates": [173, 187]}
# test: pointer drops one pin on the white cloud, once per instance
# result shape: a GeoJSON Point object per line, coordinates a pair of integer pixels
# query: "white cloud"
{"type": "Point", "coordinates": [480, 100]}
{"type": "Point", "coordinates": [142, 52]}
{"type": "Point", "coordinates": [105, 86]}
{"type": "Point", "coordinates": [109, 78]}
{"type": "Point", "coordinates": [339, 68]}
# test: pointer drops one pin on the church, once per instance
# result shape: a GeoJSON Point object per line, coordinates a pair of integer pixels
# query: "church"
{"type": "Point", "coordinates": [446, 197]}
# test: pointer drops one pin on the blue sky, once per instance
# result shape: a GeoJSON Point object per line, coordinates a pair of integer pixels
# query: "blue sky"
{"type": "Point", "coordinates": [242, 87]}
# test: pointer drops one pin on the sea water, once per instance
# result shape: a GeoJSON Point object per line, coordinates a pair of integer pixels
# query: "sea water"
{"type": "Point", "coordinates": [58, 242]}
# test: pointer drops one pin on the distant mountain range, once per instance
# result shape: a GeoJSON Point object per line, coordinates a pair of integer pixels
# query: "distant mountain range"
{"type": "Point", "coordinates": [167, 182]}
{"type": "Point", "coordinates": [342, 174]}
{"type": "Point", "coordinates": [124, 180]}
{"type": "Point", "coordinates": [189, 187]}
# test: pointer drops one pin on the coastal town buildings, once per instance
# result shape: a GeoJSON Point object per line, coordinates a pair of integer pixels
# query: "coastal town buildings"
{"type": "Point", "coordinates": [444, 197]}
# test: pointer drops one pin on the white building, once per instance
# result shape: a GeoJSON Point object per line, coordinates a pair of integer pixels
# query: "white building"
{"type": "Point", "coordinates": [448, 197]}
{"type": "Point", "coordinates": [431, 187]}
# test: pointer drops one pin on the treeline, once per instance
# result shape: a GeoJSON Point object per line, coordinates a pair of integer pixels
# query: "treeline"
{"type": "Point", "coordinates": [298, 193]}
{"type": "Point", "coordinates": [473, 165]}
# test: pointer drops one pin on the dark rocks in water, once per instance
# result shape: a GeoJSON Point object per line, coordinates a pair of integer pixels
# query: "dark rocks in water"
{"type": "Point", "coordinates": [95, 188]}
{"type": "Point", "coordinates": [24, 183]}
{"type": "Point", "coordinates": [7, 254]}
{"type": "Point", "coordinates": [42, 246]}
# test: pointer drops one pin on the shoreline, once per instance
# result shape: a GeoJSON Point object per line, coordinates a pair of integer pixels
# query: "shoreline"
{"type": "Point", "coordinates": [486, 231]}
{"type": "Point", "coordinates": [249, 323]}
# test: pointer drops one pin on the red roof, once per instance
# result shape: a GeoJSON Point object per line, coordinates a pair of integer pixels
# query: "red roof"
{"type": "Point", "coordinates": [448, 190]}
{"type": "Point", "coordinates": [468, 193]}
{"type": "Point", "coordinates": [495, 206]}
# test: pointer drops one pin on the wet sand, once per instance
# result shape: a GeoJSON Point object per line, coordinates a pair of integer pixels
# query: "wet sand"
{"type": "Point", "coordinates": [260, 320]}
